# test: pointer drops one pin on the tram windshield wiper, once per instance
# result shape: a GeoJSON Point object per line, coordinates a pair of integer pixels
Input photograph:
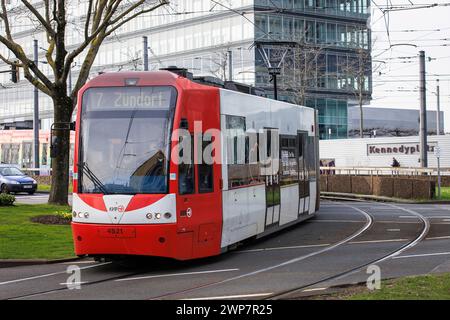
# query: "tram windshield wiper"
{"type": "Point", "coordinates": [95, 180]}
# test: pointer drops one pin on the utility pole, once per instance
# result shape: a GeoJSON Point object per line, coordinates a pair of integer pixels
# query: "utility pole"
{"type": "Point", "coordinates": [438, 113]}
{"type": "Point", "coordinates": [145, 50]}
{"type": "Point", "coordinates": [274, 71]}
{"type": "Point", "coordinates": [230, 65]}
{"type": "Point", "coordinates": [423, 113]}
{"type": "Point", "coordinates": [36, 114]}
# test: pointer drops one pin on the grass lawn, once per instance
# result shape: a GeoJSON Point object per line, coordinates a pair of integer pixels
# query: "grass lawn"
{"type": "Point", "coordinates": [46, 187]}
{"type": "Point", "coordinates": [22, 239]}
{"type": "Point", "coordinates": [429, 287]}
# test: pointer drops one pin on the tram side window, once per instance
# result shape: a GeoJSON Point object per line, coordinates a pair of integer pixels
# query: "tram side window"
{"type": "Point", "coordinates": [205, 172]}
{"type": "Point", "coordinates": [186, 171]}
{"type": "Point", "coordinates": [242, 154]}
{"type": "Point", "coordinates": [288, 157]}
{"type": "Point", "coordinates": [301, 156]}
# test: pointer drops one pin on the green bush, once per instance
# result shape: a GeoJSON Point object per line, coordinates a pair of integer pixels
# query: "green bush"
{"type": "Point", "coordinates": [7, 199]}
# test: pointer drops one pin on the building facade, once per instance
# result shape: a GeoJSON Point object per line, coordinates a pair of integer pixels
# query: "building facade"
{"type": "Point", "coordinates": [201, 35]}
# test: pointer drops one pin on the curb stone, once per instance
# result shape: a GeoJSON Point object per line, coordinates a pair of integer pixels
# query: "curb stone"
{"type": "Point", "coordinates": [9, 263]}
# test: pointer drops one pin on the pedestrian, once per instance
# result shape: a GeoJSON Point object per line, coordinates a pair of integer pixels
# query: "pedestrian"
{"type": "Point", "coordinates": [395, 163]}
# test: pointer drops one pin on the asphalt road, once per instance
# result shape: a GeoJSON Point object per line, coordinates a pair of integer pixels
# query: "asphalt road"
{"type": "Point", "coordinates": [36, 198]}
{"type": "Point", "coordinates": [334, 248]}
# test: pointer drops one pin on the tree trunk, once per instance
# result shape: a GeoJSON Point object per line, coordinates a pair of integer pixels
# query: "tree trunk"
{"type": "Point", "coordinates": [60, 164]}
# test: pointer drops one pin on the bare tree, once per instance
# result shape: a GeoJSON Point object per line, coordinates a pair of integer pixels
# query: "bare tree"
{"type": "Point", "coordinates": [302, 70]}
{"type": "Point", "coordinates": [357, 68]}
{"type": "Point", "coordinates": [219, 67]}
{"type": "Point", "coordinates": [100, 19]}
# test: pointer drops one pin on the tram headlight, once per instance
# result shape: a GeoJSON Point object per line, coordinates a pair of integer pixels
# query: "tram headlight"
{"type": "Point", "coordinates": [157, 215]}
{"type": "Point", "coordinates": [86, 215]}
{"type": "Point", "coordinates": [167, 215]}
{"type": "Point", "coordinates": [149, 216]}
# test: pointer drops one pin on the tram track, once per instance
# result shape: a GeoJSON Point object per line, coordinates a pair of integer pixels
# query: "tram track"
{"type": "Point", "coordinates": [368, 224]}
{"type": "Point", "coordinates": [292, 292]}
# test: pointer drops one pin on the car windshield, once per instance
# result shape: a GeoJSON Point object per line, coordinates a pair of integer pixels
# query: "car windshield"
{"type": "Point", "coordinates": [11, 171]}
{"type": "Point", "coordinates": [125, 135]}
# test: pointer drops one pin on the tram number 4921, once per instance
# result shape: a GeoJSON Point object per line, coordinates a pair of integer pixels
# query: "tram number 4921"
{"type": "Point", "coordinates": [117, 232]}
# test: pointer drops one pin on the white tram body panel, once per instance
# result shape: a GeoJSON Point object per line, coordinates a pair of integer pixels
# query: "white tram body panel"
{"type": "Point", "coordinates": [245, 210]}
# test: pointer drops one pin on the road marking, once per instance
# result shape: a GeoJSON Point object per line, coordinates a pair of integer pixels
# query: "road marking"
{"type": "Point", "coordinates": [237, 296]}
{"type": "Point", "coordinates": [423, 255]}
{"type": "Point", "coordinates": [349, 221]}
{"type": "Point", "coordinates": [50, 274]}
{"type": "Point", "coordinates": [176, 274]}
{"type": "Point", "coordinates": [283, 248]}
{"type": "Point", "coordinates": [73, 283]}
{"type": "Point", "coordinates": [438, 238]}
{"type": "Point", "coordinates": [377, 241]}
{"type": "Point", "coordinates": [314, 289]}
{"type": "Point", "coordinates": [79, 262]}
{"type": "Point", "coordinates": [393, 230]}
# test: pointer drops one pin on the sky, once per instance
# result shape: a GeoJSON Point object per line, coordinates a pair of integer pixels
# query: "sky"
{"type": "Point", "coordinates": [396, 69]}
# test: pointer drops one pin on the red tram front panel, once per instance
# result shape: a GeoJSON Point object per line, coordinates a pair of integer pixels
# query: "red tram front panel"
{"type": "Point", "coordinates": [183, 223]}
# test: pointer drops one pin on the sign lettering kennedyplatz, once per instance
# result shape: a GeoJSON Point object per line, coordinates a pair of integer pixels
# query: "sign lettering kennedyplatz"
{"type": "Point", "coordinates": [387, 149]}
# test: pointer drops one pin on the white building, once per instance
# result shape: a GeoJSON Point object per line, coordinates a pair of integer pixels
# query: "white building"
{"type": "Point", "coordinates": [197, 35]}
{"type": "Point", "coordinates": [378, 152]}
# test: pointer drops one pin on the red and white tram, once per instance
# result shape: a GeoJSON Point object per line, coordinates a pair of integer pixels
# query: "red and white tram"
{"type": "Point", "coordinates": [134, 196]}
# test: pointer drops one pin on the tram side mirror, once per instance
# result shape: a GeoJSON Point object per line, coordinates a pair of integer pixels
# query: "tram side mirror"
{"type": "Point", "coordinates": [184, 124]}
{"type": "Point", "coordinates": [54, 147]}
{"type": "Point", "coordinates": [72, 126]}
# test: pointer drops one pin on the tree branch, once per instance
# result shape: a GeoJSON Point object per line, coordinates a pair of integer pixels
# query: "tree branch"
{"type": "Point", "coordinates": [6, 21]}
{"type": "Point", "coordinates": [41, 19]}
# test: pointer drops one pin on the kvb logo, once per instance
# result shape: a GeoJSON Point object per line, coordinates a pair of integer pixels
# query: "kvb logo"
{"type": "Point", "coordinates": [120, 208]}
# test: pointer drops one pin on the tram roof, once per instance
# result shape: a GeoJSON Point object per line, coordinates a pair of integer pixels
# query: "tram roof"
{"type": "Point", "coordinates": [144, 78]}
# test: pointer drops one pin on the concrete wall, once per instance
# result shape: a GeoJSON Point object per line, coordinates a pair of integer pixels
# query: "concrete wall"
{"type": "Point", "coordinates": [386, 186]}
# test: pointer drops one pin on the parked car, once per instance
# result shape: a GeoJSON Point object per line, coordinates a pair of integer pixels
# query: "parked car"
{"type": "Point", "coordinates": [14, 180]}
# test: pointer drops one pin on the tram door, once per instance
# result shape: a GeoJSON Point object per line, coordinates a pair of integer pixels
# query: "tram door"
{"type": "Point", "coordinates": [199, 195]}
{"type": "Point", "coordinates": [303, 181]}
{"type": "Point", "coordinates": [272, 177]}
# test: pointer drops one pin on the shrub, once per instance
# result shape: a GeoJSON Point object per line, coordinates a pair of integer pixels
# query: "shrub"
{"type": "Point", "coordinates": [7, 199]}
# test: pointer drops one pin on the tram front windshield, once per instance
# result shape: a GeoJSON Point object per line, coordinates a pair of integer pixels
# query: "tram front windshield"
{"type": "Point", "coordinates": [124, 139]}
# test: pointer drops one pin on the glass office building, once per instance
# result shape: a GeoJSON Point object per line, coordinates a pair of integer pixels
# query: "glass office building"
{"type": "Point", "coordinates": [200, 35]}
